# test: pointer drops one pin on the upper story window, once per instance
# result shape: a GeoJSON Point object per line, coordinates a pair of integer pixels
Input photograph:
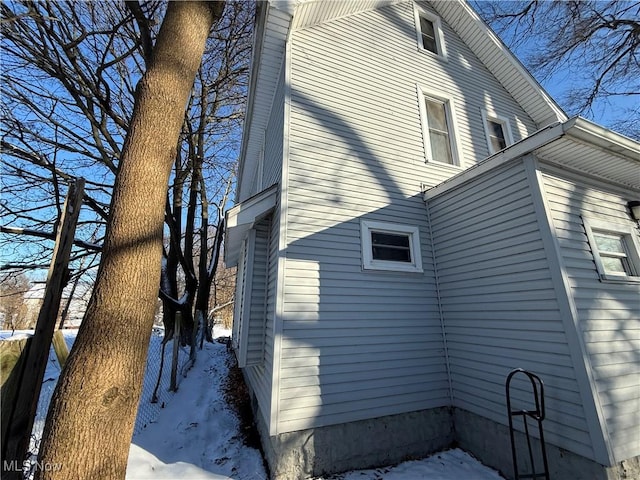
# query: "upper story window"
{"type": "Point", "coordinates": [615, 249]}
{"type": "Point", "coordinates": [497, 131]}
{"type": "Point", "coordinates": [438, 121]}
{"type": "Point", "coordinates": [390, 246]}
{"type": "Point", "coordinates": [429, 32]}
{"type": "Point", "coordinates": [438, 126]}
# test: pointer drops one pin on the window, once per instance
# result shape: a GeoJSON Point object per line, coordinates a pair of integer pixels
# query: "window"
{"type": "Point", "coordinates": [498, 132]}
{"type": "Point", "coordinates": [612, 252]}
{"type": "Point", "coordinates": [615, 250]}
{"type": "Point", "coordinates": [390, 246]}
{"type": "Point", "coordinates": [429, 32]}
{"type": "Point", "coordinates": [438, 130]}
{"type": "Point", "coordinates": [438, 122]}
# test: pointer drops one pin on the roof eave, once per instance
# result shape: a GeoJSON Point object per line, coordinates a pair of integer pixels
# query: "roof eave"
{"type": "Point", "coordinates": [578, 129]}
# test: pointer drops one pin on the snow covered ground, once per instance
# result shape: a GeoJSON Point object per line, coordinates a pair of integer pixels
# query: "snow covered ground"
{"type": "Point", "coordinates": [197, 436]}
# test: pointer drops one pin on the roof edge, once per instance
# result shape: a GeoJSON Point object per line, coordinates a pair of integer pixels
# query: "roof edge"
{"type": "Point", "coordinates": [577, 128]}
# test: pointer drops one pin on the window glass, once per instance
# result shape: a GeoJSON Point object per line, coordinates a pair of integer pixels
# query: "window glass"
{"type": "Point", "coordinates": [428, 35]}
{"type": "Point", "coordinates": [389, 246]}
{"type": "Point", "coordinates": [609, 243]}
{"type": "Point", "coordinates": [496, 135]}
{"type": "Point", "coordinates": [437, 115]}
{"type": "Point", "coordinates": [438, 131]}
{"type": "Point", "coordinates": [614, 265]}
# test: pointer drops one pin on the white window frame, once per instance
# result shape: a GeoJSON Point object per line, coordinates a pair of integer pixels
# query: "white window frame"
{"type": "Point", "coordinates": [451, 126]}
{"type": "Point", "coordinates": [629, 236]}
{"type": "Point", "coordinates": [506, 128]}
{"type": "Point", "coordinates": [367, 227]}
{"type": "Point", "coordinates": [437, 30]}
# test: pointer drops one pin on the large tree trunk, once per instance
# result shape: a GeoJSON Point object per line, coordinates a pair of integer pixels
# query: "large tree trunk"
{"type": "Point", "coordinates": [92, 414]}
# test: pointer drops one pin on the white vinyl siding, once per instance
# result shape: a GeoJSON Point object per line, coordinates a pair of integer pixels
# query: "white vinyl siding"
{"type": "Point", "coordinates": [239, 332]}
{"type": "Point", "coordinates": [500, 305]}
{"type": "Point", "coordinates": [259, 376]}
{"type": "Point", "coordinates": [268, 167]}
{"type": "Point", "coordinates": [274, 137]}
{"type": "Point", "coordinates": [339, 66]}
{"type": "Point", "coordinates": [608, 313]}
{"type": "Point", "coordinates": [258, 296]}
{"type": "Point", "coordinates": [359, 344]}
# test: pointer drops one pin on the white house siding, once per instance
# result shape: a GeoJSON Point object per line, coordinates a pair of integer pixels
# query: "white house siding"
{"type": "Point", "coordinates": [274, 137]}
{"type": "Point", "coordinates": [373, 345]}
{"type": "Point", "coordinates": [258, 295]}
{"type": "Point", "coordinates": [499, 304]}
{"type": "Point", "coordinates": [259, 376]}
{"type": "Point", "coordinates": [608, 313]}
{"type": "Point", "coordinates": [268, 168]}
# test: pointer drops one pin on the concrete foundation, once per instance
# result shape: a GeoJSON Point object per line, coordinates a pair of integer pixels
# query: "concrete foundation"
{"type": "Point", "coordinates": [356, 445]}
{"type": "Point", "coordinates": [490, 443]}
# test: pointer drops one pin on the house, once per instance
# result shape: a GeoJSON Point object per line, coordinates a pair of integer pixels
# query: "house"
{"type": "Point", "coordinates": [415, 218]}
{"type": "Point", "coordinates": [74, 302]}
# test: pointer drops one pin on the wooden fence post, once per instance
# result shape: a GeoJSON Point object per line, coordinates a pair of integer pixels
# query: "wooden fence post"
{"type": "Point", "coordinates": [20, 426]}
{"type": "Point", "coordinates": [13, 356]}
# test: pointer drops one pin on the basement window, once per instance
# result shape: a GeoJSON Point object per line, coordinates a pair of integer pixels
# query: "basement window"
{"type": "Point", "coordinates": [615, 249]}
{"type": "Point", "coordinates": [390, 246]}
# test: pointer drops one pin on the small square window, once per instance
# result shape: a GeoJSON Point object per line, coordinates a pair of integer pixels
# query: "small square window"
{"type": "Point", "coordinates": [497, 131]}
{"type": "Point", "coordinates": [395, 247]}
{"type": "Point", "coordinates": [429, 32]}
{"type": "Point", "coordinates": [389, 246]}
{"type": "Point", "coordinates": [615, 250]}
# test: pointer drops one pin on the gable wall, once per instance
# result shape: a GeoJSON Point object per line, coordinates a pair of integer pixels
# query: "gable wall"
{"type": "Point", "coordinates": [358, 344]}
{"type": "Point", "coordinates": [608, 313]}
{"type": "Point", "coordinates": [499, 305]}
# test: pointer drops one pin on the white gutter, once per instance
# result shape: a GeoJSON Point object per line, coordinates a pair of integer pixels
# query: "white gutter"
{"type": "Point", "coordinates": [588, 132]}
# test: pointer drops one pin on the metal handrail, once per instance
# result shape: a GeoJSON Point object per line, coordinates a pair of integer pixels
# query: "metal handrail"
{"type": "Point", "coordinates": [538, 415]}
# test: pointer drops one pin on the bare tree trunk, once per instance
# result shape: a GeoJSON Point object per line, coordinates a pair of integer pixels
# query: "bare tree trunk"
{"type": "Point", "coordinates": [93, 410]}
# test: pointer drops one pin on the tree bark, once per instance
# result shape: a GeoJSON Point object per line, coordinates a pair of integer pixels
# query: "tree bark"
{"type": "Point", "coordinates": [92, 414]}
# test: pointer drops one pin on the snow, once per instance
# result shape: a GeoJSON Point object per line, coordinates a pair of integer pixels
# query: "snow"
{"type": "Point", "coordinates": [197, 436]}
